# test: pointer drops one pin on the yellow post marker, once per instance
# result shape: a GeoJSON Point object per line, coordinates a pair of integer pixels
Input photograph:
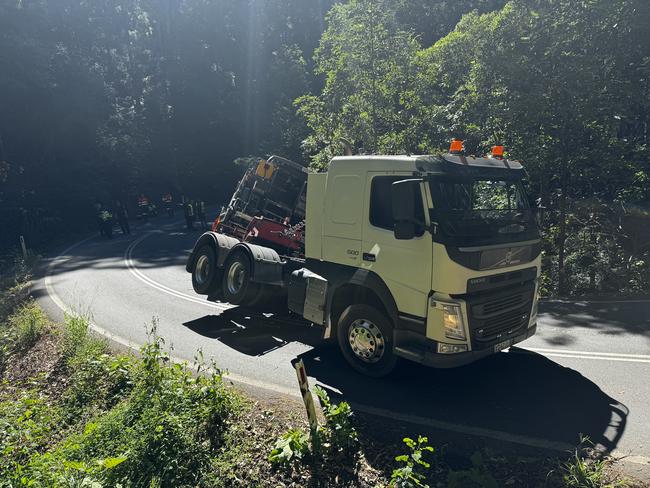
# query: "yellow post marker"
{"type": "Point", "coordinates": [307, 397]}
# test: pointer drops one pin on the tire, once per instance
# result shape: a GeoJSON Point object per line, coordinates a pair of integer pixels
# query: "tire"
{"type": "Point", "coordinates": [205, 275]}
{"type": "Point", "coordinates": [236, 285]}
{"type": "Point", "coordinates": [365, 337]}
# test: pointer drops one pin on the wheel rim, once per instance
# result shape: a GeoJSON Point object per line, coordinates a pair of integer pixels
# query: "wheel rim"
{"type": "Point", "coordinates": [236, 277]}
{"type": "Point", "coordinates": [366, 341]}
{"type": "Point", "coordinates": [202, 269]}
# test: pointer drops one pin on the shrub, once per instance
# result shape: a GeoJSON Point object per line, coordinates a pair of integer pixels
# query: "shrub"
{"type": "Point", "coordinates": [582, 470]}
{"type": "Point", "coordinates": [78, 345]}
{"type": "Point", "coordinates": [27, 325]}
{"type": "Point", "coordinates": [165, 427]}
{"type": "Point", "coordinates": [475, 477]}
{"type": "Point", "coordinates": [27, 424]}
{"type": "Point", "coordinates": [410, 473]}
{"type": "Point", "coordinates": [292, 446]}
{"type": "Point", "coordinates": [339, 433]}
{"type": "Point", "coordinates": [98, 383]}
{"type": "Point", "coordinates": [23, 328]}
{"type": "Point", "coordinates": [14, 284]}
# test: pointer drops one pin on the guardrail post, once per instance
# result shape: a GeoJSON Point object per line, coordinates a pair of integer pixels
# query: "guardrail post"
{"type": "Point", "coordinates": [308, 400]}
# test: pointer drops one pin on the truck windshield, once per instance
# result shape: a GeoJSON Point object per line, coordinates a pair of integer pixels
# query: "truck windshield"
{"type": "Point", "coordinates": [477, 209]}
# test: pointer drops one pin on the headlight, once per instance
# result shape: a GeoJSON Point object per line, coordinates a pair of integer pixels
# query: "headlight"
{"type": "Point", "coordinates": [452, 320]}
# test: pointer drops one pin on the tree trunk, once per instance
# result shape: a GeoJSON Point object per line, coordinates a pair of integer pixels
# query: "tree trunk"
{"type": "Point", "coordinates": [564, 172]}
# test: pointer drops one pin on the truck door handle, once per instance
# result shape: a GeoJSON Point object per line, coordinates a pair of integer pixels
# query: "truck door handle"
{"type": "Point", "coordinates": [369, 257]}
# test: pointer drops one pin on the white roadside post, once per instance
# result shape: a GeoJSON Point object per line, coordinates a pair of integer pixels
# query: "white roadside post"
{"type": "Point", "coordinates": [308, 399]}
{"type": "Point", "coordinates": [23, 246]}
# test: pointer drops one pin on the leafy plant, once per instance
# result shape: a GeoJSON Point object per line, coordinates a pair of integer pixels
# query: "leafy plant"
{"type": "Point", "coordinates": [292, 446]}
{"type": "Point", "coordinates": [410, 474]}
{"type": "Point", "coordinates": [78, 344]}
{"type": "Point", "coordinates": [27, 325]}
{"type": "Point", "coordinates": [581, 470]}
{"type": "Point", "coordinates": [26, 426]}
{"type": "Point", "coordinates": [476, 477]}
{"type": "Point", "coordinates": [338, 432]}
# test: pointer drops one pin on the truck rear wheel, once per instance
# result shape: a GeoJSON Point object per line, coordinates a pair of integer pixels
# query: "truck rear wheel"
{"type": "Point", "coordinates": [237, 287]}
{"type": "Point", "coordinates": [205, 275]}
{"type": "Point", "coordinates": [365, 337]}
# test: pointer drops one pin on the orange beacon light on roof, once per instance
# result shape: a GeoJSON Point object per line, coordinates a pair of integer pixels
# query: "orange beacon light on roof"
{"type": "Point", "coordinates": [497, 151]}
{"type": "Point", "coordinates": [456, 146]}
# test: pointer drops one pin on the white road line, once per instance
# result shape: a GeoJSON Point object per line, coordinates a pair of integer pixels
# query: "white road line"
{"type": "Point", "coordinates": [633, 300]}
{"type": "Point", "coordinates": [601, 358]}
{"type": "Point", "coordinates": [589, 353]}
{"type": "Point", "coordinates": [128, 260]}
{"type": "Point", "coordinates": [235, 378]}
{"type": "Point", "coordinates": [58, 301]}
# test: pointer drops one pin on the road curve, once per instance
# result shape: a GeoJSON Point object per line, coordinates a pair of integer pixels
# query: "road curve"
{"type": "Point", "coordinates": [585, 372]}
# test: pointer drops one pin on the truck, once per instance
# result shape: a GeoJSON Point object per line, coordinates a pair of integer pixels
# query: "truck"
{"type": "Point", "coordinates": [432, 258]}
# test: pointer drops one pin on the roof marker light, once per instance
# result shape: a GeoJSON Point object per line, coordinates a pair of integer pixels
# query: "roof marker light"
{"type": "Point", "coordinates": [456, 146]}
{"type": "Point", "coordinates": [497, 151]}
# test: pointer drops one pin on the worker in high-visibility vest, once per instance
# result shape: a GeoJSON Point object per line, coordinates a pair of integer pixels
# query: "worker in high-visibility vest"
{"type": "Point", "coordinates": [200, 212]}
{"type": "Point", "coordinates": [189, 215]}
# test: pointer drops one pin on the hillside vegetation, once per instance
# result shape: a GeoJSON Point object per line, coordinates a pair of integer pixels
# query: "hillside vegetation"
{"type": "Point", "coordinates": [105, 101]}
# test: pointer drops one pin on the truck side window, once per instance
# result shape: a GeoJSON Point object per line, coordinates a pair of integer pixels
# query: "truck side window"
{"type": "Point", "coordinates": [381, 206]}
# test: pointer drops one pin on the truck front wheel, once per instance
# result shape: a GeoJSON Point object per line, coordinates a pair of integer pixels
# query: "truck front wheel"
{"type": "Point", "coordinates": [365, 337]}
{"type": "Point", "coordinates": [237, 287]}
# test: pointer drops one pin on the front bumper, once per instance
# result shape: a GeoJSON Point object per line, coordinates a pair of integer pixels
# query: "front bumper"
{"type": "Point", "coordinates": [418, 348]}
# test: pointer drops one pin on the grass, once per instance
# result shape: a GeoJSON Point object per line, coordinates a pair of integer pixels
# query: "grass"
{"type": "Point", "coordinates": [92, 418]}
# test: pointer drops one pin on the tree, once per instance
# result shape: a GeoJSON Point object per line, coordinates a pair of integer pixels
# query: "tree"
{"type": "Point", "coordinates": [365, 59]}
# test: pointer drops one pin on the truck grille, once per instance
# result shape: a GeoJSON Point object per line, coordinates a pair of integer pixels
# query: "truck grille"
{"type": "Point", "coordinates": [495, 316]}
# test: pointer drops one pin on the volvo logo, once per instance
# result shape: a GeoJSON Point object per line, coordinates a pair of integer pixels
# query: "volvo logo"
{"type": "Point", "coordinates": [508, 256]}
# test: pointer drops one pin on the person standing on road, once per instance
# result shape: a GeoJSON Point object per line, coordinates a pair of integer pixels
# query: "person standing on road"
{"type": "Point", "coordinates": [122, 218]}
{"type": "Point", "coordinates": [189, 215]}
{"type": "Point", "coordinates": [200, 211]}
{"type": "Point", "coordinates": [98, 219]}
{"type": "Point", "coordinates": [168, 202]}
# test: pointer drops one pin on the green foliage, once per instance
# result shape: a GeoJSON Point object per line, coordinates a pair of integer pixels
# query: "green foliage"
{"type": "Point", "coordinates": [555, 82]}
{"type": "Point", "coordinates": [15, 275]}
{"type": "Point", "coordinates": [366, 59]}
{"type": "Point", "coordinates": [78, 345]}
{"type": "Point", "coordinates": [121, 421]}
{"type": "Point", "coordinates": [583, 470]}
{"type": "Point", "coordinates": [336, 439]}
{"type": "Point", "coordinates": [476, 477]}
{"type": "Point", "coordinates": [26, 426]}
{"type": "Point", "coordinates": [21, 330]}
{"type": "Point", "coordinates": [411, 472]}
{"type": "Point", "coordinates": [27, 324]}
{"type": "Point", "coordinates": [291, 447]}
{"type": "Point", "coordinates": [338, 434]}
{"type": "Point", "coordinates": [98, 383]}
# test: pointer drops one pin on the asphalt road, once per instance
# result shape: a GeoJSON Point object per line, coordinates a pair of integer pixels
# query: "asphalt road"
{"type": "Point", "coordinates": [585, 372]}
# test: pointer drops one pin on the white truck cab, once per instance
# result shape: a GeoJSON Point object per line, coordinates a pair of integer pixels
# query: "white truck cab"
{"type": "Point", "coordinates": [431, 258]}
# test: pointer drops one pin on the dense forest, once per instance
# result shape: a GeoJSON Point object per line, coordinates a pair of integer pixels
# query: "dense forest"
{"type": "Point", "coordinates": [105, 100]}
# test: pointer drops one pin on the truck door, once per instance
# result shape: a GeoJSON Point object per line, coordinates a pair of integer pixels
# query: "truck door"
{"type": "Point", "coordinates": [404, 265]}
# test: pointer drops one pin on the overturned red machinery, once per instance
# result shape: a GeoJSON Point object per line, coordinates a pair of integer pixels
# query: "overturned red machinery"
{"type": "Point", "coordinates": [268, 206]}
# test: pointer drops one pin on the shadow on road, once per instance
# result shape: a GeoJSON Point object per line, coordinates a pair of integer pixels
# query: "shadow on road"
{"type": "Point", "coordinates": [168, 246]}
{"type": "Point", "coordinates": [518, 392]}
{"type": "Point", "coordinates": [254, 333]}
{"type": "Point", "coordinates": [609, 318]}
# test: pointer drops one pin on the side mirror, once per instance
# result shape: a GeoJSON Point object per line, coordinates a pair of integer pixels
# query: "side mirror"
{"type": "Point", "coordinates": [403, 197]}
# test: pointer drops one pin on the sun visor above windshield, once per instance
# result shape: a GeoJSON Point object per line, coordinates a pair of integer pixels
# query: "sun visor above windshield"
{"type": "Point", "coordinates": [482, 162]}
